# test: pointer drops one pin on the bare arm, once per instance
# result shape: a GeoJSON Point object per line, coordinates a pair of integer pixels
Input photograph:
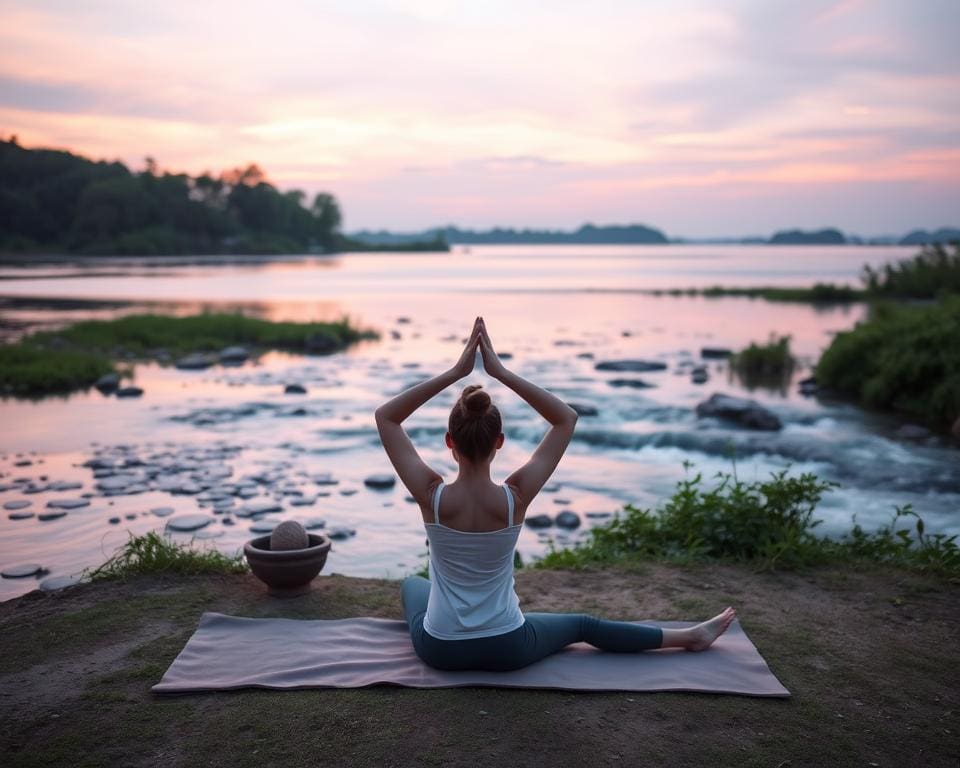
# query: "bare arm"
{"type": "Point", "coordinates": [414, 473]}
{"type": "Point", "coordinates": [530, 478]}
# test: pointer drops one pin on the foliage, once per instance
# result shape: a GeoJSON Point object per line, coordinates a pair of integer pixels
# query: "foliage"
{"type": "Point", "coordinates": [765, 365]}
{"type": "Point", "coordinates": [56, 201]}
{"type": "Point", "coordinates": [820, 293]}
{"type": "Point", "coordinates": [931, 273]}
{"type": "Point", "coordinates": [767, 523]}
{"type": "Point", "coordinates": [26, 370]}
{"type": "Point", "coordinates": [903, 357]}
{"type": "Point", "coordinates": [156, 554]}
{"type": "Point", "coordinates": [75, 357]}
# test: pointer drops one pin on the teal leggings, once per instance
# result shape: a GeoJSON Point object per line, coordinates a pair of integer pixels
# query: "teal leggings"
{"type": "Point", "coordinates": [541, 635]}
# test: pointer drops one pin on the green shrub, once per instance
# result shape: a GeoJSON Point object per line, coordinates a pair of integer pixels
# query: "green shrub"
{"type": "Point", "coordinates": [156, 554]}
{"type": "Point", "coordinates": [768, 365]}
{"type": "Point", "coordinates": [26, 370]}
{"type": "Point", "coordinates": [769, 524]}
{"type": "Point", "coordinates": [906, 358]}
{"type": "Point", "coordinates": [931, 273]}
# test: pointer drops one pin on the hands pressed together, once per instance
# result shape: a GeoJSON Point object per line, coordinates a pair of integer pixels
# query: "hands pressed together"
{"type": "Point", "coordinates": [479, 339]}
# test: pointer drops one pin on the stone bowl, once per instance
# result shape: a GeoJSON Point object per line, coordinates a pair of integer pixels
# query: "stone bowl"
{"type": "Point", "coordinates": [287, 572]}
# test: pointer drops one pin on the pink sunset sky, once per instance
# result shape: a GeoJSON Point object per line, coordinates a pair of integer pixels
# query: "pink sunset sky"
{"type": "Point", "coordinates": [699, 117]}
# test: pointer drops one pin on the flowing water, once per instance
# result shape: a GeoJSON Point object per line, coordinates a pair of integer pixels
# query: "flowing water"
{"type": "Point", "coordinates": [226, 442]}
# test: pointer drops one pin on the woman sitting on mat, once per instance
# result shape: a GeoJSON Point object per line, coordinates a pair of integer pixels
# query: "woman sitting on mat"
{"type": "Point", "coordinates": [468, 615]}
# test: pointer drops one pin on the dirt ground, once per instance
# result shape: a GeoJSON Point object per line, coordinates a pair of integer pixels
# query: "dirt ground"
{"type": "Point", "coordinates": [870, 656]}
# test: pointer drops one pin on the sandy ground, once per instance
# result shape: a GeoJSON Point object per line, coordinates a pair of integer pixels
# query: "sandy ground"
{"type": "Point", "coordinates": [871, 657]}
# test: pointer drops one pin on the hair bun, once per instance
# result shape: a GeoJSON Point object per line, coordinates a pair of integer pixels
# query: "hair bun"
{"type": "Point", "coordinates": [475, 400]}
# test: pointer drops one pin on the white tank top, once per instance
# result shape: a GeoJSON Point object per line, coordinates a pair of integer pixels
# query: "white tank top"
{"type": "Point", "coordinates": [471, 579]}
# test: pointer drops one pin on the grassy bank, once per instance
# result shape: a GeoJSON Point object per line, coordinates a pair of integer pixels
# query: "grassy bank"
{"type": "Point", "coordinates": [819, 293]}
{"type": "Point", "coordinates": [75, 357]}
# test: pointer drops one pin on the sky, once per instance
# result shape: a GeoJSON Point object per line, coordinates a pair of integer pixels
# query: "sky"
{"type": "Point", "coordinates": [699, 117]}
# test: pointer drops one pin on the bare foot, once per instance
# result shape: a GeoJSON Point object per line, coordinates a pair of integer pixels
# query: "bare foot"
{"type": "Point", "coordinates": [703, 635]}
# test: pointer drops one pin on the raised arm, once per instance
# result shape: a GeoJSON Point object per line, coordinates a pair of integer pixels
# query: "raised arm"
{"type": "Point", "coordinates": [414, 473]}
{"type": "Point", "coordinates": [529, 479]}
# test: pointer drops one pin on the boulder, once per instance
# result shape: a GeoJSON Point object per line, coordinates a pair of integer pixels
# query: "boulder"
{"type": "Point", "coordinates": [747, 413]}
{"type": "Point", "coordinates": [631, 366]}
{"type": "Point", "coordinates": [294, 389]}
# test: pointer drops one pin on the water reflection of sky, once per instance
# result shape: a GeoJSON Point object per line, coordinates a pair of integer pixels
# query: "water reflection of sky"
{"type": "Point", "coordinates": [632, 451]}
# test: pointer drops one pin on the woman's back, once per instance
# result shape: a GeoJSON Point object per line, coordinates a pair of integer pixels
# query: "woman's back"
{"type": "Point", "coordinates": [471, 572]}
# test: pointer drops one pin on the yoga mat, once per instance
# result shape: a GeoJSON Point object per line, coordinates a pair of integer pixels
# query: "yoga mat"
{"type": "Point", "coordinates": [229, 652]}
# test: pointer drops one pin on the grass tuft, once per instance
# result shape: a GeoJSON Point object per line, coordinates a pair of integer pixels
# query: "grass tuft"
{"type": "Point", "coordinates": [156, 554]}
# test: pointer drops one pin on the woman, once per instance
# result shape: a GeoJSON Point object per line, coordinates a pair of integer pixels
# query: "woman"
{"type": "Point", "coordinates": [468, 616]}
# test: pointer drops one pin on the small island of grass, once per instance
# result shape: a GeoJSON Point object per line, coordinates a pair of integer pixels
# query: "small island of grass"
{"type": "Point", "coordinates": [62, 361]}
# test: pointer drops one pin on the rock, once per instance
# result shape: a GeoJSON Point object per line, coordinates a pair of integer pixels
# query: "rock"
{"type": "Point", "coordinates": [631, 366]}
{"type": "Point", "coordinates": [129, 392]}
{"type": "Point", "coordinates": [304, 501]}
{"type": "Point", "coordinates": [64, 485]}
{"type": "Point", "coordinates": [715, 353]}
{"type": "Point", "coordinates": [913, 432]}
{"type": "Point", "coordinates": [584, 409]}
{"type": "Point", "coordinates": [58, 582]}
{"type": "Point", "coordinates": [808, 386]}
{"type": "Point", "coordinates": [56, 514]}
{"type": "Point", "coordinates": [294, 389]}
{"type": "Point", "coordinates": [234, 355]}
{"type": "Point", "coordinates": [598, 515]}
{"type": "Point", "coordinates": [632, 383]}
{"type": "Point", "coordinates": [20, 515]}
{"type": "Point", "coordinates": [341, 533]}
{"type": "Point", "coordinates": [114, 520]}
{"type": "Point", "coordinates": [18, 504]}
{"type": "Point", "coordinates": [259, 508]}
{"type": "Point", "coordinates": [585, 355]}
{"type": "Point", "coordinates": [325, 479]}
{"type": "Point", "coordinates": [380, 482]}
{"type": "Point", "coordinates": [68, 503]}
{"type": "Point", "coordinates": [108, 383]}
{"type": "Point", "coordinates": [289, 535]}
{"type": "Point", "coordinates": [745, 412]}
{"type": "Point", "coordinates": [21, 571]}
{"type": "Point", "coordinates": [568, 519]}
{"type": "Point", "coordinates": [348, 491]}
{"type": "Point", "coordinates": [263, 526]}
{"type": "Point", "coordinates": [699, 375]}
{"type": "Point", "coordinates": [188, 522]}
{"type": "Point", "coordinates": [314, 523]}
{"type": "Point", "coordinates": [403, 320]}
{"type": "Point", "coordinates": [195, 362]}
{"type": "Point", "coordinates": [539, 521]}
{"type": "Point", "coordinates": [320, 344]}
{"type": "Point", "coordinates": [162, 511]}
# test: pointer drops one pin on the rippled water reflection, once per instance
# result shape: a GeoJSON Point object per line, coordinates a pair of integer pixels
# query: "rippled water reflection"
{"type": "Point", "coordinates": [558, 311]}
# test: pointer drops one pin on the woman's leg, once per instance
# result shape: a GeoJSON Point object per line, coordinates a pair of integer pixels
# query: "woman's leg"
{"type": "Point", "coordinates": [414, 593]}
{"type": "Point", "coordinates": [549, 632]}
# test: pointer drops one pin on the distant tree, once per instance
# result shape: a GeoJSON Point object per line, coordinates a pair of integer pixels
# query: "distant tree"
{"type": "Point", "coordinates": [327, 219]}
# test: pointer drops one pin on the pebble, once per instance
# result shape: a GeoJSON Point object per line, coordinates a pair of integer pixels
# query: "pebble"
{"type": "Point", "coordinates": [304, 501]}
{"type": "Point", "coordinates": [18, 504]}
{"type": "Point", "coordinates": [341, 533]}
{"type": "Point", "coordinates": [129, 392]}
{"type": "Point", "coordinates": [21, 571]}
{"type": "Point", "coordinates": [195, 362]}
{"type": "Point", "coordinates": [631, 383]}
{"type": "Point", "coordinates": [263, 527]}
{"type": "Point", "coordinates": [348, 491]}
{"type": "Point", "coordinates": [380, 482]}
{"type": "Point", "coordinates": [162, 511]}
{"type": "Point", "coordinates": [188, 522]}
{"type": "Point", "coordinates": [539, 521]}
{"type": "Point", "coordinates": [114, 520]}
{"type": "Point", "coordinates": [20, 515]}
{"type": "Point", "coordinates": [54, 583]}
{"type": "Point", "coordinates": [584, 409]}
{"type": "Point", "coordinates": [68, 503]}
{"type": "Point", "coordinates": [258, 508]}
{"type": "Point", "coordinates": [314, 522]}
{"type": "Point", "coordinates": [294, 389]}
{"type": "Point", "coordinates": [52, 515]}
{"type": "Point", "coordinates": [630, 366]}
{"type": "Point", "coordinates": [568, 519]}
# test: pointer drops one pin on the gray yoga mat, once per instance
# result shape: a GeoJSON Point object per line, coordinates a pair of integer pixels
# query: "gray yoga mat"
{"type": "Point", "coordinates": [229, 652]}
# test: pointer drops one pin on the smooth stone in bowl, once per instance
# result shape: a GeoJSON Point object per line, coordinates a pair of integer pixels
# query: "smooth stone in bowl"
{"type": "Point", "coordinates": [287, 573]}
{"type": "Point", "coordinates": [289, 535]}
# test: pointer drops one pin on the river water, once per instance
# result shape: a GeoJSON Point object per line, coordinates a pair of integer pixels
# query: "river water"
{"type": "Point", "coordinates": [558, 311]}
